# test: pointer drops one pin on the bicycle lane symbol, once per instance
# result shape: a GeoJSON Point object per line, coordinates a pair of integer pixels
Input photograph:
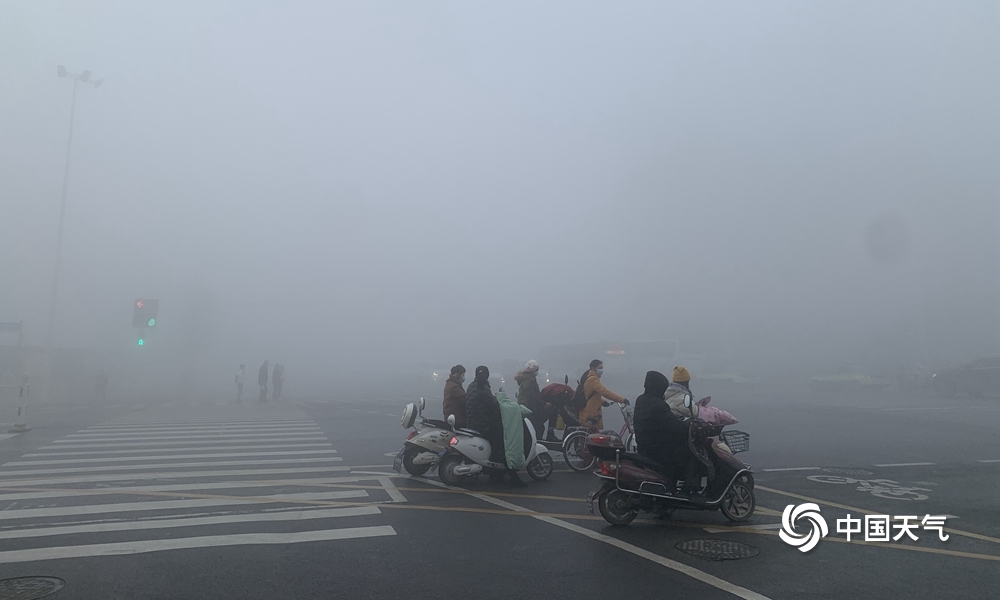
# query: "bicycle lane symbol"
{"type": "Point", "coordinates": [880, 488]}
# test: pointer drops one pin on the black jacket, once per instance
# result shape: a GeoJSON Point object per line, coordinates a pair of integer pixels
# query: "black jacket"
{"type": "Point", "coordinates": [660, 434]}
{"type": "Point", "coordinates": [482, 411]}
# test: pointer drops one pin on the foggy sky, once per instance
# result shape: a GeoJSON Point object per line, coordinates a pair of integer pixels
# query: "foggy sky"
{"type": "Point", "coordinates": [347, 186]}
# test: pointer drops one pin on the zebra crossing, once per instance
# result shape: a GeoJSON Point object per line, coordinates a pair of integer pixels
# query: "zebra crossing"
{"type": "Point", "coordinates": [154, 481]}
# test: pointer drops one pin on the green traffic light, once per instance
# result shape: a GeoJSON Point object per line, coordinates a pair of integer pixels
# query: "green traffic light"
{"type": "Point", "coordinates": [151, 322]}
{"type": "Point", "coordinates": [140, 341]}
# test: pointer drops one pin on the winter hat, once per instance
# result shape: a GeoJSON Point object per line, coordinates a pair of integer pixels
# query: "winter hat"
{"type": "Point", "coordinates": [682, 375]}
{"type": "Point", "coordinates": [482, 373]}
{"type": "Point", "coordinates": [531, 367]}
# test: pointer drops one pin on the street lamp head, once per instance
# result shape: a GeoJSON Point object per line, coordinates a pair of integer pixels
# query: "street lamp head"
{"type": "Point", "coordinates": [85, 76]}
{"type": "Point", "coordinates": [98, 83]}
{"type": "Point", "coordinates": [61, 71]}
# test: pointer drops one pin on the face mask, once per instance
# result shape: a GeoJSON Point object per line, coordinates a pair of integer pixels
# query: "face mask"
{"type": "Point", "coordinates": [600, 372]}
{"type": "Point", "coordinates": [462, 378]}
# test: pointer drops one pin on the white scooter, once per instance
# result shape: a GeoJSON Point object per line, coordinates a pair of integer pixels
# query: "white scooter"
{"type": "Point", "coordinates": [422, 448]}
{"type": "Point", "coordinates": [468, 455]}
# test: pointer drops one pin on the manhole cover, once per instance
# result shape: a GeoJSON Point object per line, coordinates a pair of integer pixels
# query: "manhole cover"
{"type": "Point", "coordinates": [717, 549]}
{"type": "Point", "coordinates": [29, 588]}
{"type": "Point", "coordinates": [846, 471]}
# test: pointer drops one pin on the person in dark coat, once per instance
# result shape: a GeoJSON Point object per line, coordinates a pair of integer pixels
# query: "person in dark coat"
{"type": "Point", "coordinates": [482, 411]}
{"type": "Point", "coordinates": [454, 396]}
{"type": "Point", "coordinates": [262, 380]}
{"type": "Point", "coordinates": [530, 396]}
{"type": "Point", "coordinates": [661, 435]}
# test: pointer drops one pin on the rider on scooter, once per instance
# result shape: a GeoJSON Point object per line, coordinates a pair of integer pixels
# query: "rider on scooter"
{"type": "Point", "coordinates": [663, 436]}
{"type": "Point", "coordinates": [482, 412]}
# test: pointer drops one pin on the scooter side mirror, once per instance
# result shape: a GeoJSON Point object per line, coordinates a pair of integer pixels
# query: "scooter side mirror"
{"type": "Point", "coordinates": [422, 404]}
{"type": "Point", "coordinates": [451, 420]}
{"type": "Point", "coordinates": [567, 380]}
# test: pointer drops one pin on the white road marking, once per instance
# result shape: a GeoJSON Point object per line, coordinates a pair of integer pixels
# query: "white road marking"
{"type": "Point", "coordinates": [757, 527]}
{"type": "Point", "coordinates": [30, 463]}
{"type": "Point", "coordinates": [702, 576]}
{"type": "Point", "coordinates": [914, 464]}
{"type": "Point", "coordinates": [991, 460]}
{"type": "Point", "coordinates": [172, 475]}
{"type": "Point", "coordinates": [795, 469]}
{"type": "Point", "coordinates": [194, 436]}
{"type": "Point", "coordinates": [166, 435]}
{"type": "Point", "coordinates": [84, 452]}
{"type": "Point", "coordinates": [298, 515]}
{"type": "Point", "coordinates": [97, 509]}
{"type": "Point", "coordinates": [217, 463]}
{"type": "Point", "coordinates": [178, 487]}
{"type": "Point", "coordinates": [390, 488]}
{"type": "Point", "coordinates": [142, 546]}
{"type": "Point", "coordinates": [87, 446]}
{"type": "Point", "coordinates": [180, 427]}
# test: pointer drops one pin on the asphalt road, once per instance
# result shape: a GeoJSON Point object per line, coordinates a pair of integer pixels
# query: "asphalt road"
{"type": "Point", "coordinates": [297, 499]}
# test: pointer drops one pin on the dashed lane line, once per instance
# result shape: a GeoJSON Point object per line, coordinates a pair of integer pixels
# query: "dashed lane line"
{"type": "Point", "coordinates": [794, 469]}
{"type": "Point", "coordinates": [913, 464]}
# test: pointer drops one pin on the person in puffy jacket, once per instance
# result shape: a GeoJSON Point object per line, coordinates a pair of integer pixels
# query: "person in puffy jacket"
{"type": "Point", "coordinates": [454, 396]}
{"type": "Point", "coordinates": [678, 389]}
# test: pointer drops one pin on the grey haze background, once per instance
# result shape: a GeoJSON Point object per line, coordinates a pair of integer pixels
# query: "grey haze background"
{"type": "Point", "coordinates": [353, 187]}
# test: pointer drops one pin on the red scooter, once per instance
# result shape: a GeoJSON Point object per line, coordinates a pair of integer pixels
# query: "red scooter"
{"type": "Point", "coordinates": [634, 483]}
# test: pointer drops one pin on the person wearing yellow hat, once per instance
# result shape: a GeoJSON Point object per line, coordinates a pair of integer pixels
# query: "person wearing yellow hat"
{"type": "Point", "coordinates": [680, 387]}
{"type": "Point", "coordinates": [675, 394]}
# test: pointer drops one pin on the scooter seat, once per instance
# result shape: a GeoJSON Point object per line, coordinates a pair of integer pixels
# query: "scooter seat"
{"type": "Point", "coordinates": [468, 431]}
{"type": "Point", "coordinates": [438, 424]}
{"type": "Point", "coordinates": [645, 461]}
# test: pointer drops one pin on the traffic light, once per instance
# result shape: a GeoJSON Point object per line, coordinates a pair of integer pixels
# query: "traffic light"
{"type": "Point", "coordinates": [144, 312]}
{"type": "Point", "coordinates": [141, 342]}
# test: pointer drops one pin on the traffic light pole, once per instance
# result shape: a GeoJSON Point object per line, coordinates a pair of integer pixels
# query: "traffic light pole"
{"type": "Point", "coordinates": [59, 241]}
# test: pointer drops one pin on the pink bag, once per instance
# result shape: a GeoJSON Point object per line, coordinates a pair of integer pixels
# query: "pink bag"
{"type": "Point", "coordinates": [713, 415]}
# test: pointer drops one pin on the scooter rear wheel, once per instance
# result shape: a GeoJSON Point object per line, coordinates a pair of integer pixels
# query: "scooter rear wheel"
{"type": "Point", "coordinates": [446, 469]}
{"type": "Point", "coordinates": [576, 454]}
{"type": "Point", "coordinates": [540, 468]}
{"type": "Point", "coordinates": [416, 470]}
{"type": "Point", "coordinates": [616, 507]}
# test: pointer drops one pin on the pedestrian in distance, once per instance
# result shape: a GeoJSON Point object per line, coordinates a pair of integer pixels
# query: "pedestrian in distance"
{"type": "Point", "coordinates": [241, 376]}
{"type": "Point", "coordinates": [277, 381]}
{"type": "Point", "coordinates": [262, 380]}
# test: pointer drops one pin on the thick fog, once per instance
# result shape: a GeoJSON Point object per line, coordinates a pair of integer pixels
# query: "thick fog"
{"type": "Point", "coordinates": [360, 188]}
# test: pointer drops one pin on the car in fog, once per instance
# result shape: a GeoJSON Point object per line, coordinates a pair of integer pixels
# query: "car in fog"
{"type": "Point", "coordinates": [976, 378]}
{"type": "Point", "coordinates": [848, 379]}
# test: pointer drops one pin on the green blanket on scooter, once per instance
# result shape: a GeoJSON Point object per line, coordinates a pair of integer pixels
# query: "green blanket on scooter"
{"type": "Point", "coordinates": [512, 415]}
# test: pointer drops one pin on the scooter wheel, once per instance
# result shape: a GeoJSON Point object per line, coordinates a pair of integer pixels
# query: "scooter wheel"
{"type": "Point", "coordinates": [446, 469]}
{"type": "Point", "coordinates": [616, 507]}
{"type": "Point", "coordinates": [575, 453]}
{"type": "Point", "coordinates": [412, 469]}
{"type": "Point", "coordinates": [739, 502]}
{"type": "Point", "coordinates": [540, 468]}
